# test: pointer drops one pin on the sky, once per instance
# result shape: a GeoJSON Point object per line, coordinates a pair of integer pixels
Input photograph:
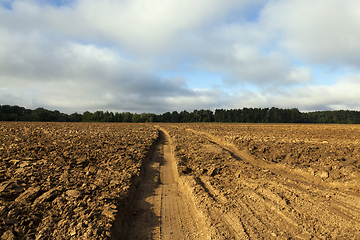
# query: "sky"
{"type": "Point", "coordinates": [156, 56]}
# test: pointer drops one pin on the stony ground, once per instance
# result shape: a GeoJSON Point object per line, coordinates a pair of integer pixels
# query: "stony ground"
{"type": "Point", "coordinates": [205, 181]}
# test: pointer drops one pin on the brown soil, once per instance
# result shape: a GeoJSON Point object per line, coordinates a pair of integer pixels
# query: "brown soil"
{"type": "Point", "coordinates": [67, 181]}
{"type": "Point", "coordinates": [246, 196]}
{"type": "Point", "coordinates": [179, 181]}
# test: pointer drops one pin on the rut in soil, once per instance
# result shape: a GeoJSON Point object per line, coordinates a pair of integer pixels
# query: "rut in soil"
{"type": "Point", "coordinates": [159, 208]}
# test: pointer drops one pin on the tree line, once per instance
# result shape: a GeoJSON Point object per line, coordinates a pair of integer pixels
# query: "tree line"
{"type": "Point", "coordinates": [244, 115]}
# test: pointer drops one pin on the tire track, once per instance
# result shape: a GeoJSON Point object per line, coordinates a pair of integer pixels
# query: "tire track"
{"type": "Point", "coordinates": [228, 220]}
{"type": "Point", "coordinates": [288, 204]}
{"type": "Point", "coordinates": [259, 222]}
{"type": "Point", "coordinates": [161, 210]}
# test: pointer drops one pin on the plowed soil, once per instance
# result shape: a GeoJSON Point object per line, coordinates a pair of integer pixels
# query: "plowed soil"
{"type": "Point", "coordinates": [179, 181]}
{"type": "Point", "coordinates": [273, 181]}
{"type": "Point", "coordinates": [67, 181]}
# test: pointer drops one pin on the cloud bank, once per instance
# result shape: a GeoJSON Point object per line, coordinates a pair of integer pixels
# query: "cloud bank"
{"type": "Point", "coordinates": [112, 55]}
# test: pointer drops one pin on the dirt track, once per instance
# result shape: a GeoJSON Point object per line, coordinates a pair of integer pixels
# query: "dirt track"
{"type": "Point", "coordinates": [161, 208]}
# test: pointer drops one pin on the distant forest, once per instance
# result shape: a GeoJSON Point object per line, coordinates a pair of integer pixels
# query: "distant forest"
{"type": "Point", "coordinates": [245, 115]}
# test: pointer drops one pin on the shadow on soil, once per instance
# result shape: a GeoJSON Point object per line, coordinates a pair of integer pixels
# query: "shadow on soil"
{"type": "Point", "coordinates": [136, 218]}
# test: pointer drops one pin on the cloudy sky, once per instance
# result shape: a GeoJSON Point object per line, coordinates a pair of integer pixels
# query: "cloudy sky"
{"type": "Point", "coordinates": [157, 56]}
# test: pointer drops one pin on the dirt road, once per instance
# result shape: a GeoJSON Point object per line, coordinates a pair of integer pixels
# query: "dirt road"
{"type": "Point", "coordinates": [161, 209]}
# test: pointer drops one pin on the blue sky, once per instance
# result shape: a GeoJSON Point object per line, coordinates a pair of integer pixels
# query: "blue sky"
{"type": "Point", "coordinates": [158, 56]}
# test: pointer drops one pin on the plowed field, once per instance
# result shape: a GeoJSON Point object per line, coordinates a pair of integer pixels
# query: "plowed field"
{"type": "Point", "coordinates": [67, 181]}
{"type": "Point", "coordinates": [179, 181]}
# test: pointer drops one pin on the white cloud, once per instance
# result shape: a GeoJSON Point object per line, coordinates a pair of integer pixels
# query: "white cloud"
{"type": "Point", "coordinates": [90, 55]}
{"type": "Point", "coordinates": [73, 76]}
{"type": "Point", "coordinates": [320, 31]}
{"type": "Point", "coordinates": [299, 74]}
{"type": "Point", "coordinates": [341, 95]}
{"type": "Point", "coordinates": [25, 58]}
{"type": "Point", "coordinates": [199, 99]}
{"type": "Point", "coordinates": [246, 64]}
{"type": "Point", "coordinates": [137, 25]}
{"type": "Point", "coordinates": [180, 28]}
